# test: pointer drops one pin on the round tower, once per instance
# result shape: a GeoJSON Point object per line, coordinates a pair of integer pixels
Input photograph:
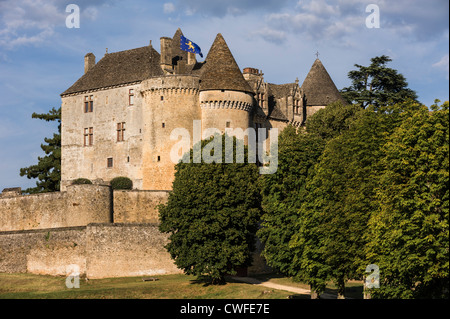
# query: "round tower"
{"type": "Point", "coordinates": [170, 102]}
{"type": "Point", "coordinates": [226, 99]}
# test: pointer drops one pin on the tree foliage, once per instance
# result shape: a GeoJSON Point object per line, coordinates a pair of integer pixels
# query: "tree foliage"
{"type": "Point", "coordinates": [377, 85]}
{"type": "Point", "coordinates": [282, 195]}
{"type": "Point", "coordinates": [48, 168]}
{"type": "Point", "coordinates": [286, 191]}
{"type": "Point", "coordinates": [341, 199]}
{"type": "Point", "coordinates": [409, 235]}
{"type": "Point", "coordinates": [121, 182]}
{"type": "Point", "coordinates": [212, 213]}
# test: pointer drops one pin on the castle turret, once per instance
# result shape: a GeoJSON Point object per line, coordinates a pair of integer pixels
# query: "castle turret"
{"type": "Point", "coordinates": [169, 103]}
{"type": "Point", "coordinates": [226, 99]}
{"type": "Point", "coordinates": [319, 89]}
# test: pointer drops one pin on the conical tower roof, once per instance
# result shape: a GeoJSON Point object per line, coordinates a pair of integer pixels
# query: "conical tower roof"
{"type": "Point", "coordinates": [220, 71]}
{"type": "Point", "coordinates": [319, 88]}
{"type": "Point", "coordinates": [176, 50]}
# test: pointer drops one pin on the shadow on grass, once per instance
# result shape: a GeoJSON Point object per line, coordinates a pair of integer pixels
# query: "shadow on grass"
{"type": "Point", "coordinates": [207, 281]}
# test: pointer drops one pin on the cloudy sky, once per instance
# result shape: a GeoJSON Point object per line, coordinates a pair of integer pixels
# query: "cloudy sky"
{"type": "Point", "coordinates": [40, 56]}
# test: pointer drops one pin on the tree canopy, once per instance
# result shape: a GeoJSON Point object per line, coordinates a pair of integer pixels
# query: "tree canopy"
{"type": "Point", "coordinates": [48, 168]}
{"type": "Point", "coordinates": [212, 213]}
{"type": "Point", "coordinates": [408, 235]}
{"type": "Point", "coordinates": [377, 85]}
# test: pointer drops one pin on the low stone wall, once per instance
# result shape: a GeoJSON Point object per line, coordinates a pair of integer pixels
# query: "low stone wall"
{"type": "Point", "coordinates": [44, 251]}
{"type": "Point", "coordinates": [138, 206]}
{"type": "Point", "coordinates": [99, 251]}
{"type": "Point", "coordinates": [78, 206]}
{"type": "Point", "coordinates": [116, 250]}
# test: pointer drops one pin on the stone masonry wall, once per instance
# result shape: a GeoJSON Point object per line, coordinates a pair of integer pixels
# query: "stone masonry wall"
{"type": "Point", "coordinates": [117, 250]}
{"type": "Point", "coordinates": [138, 206]}
{"type": "Point", "coordinates": [43, 251]}
{"type": "Point", "coordinates": [78, 206]}
{"type": "Point", "coordinates": [99, 250]}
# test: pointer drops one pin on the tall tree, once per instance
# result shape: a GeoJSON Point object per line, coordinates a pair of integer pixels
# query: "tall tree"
{"type": "Point", "coordinates": [377, 85]}
{"type": "Point", "coordinates": [212, 213]}
{"type": "Point", "coordinates": [285, 191]}
{"type": "Point", "coordinates": [341, 198]}
{"type": "Point", "coordinates": [48, 168]}
{"type": "Point", "coordinates": [282, 194]}
{"type": "Point", "coordinates": [408, 238]}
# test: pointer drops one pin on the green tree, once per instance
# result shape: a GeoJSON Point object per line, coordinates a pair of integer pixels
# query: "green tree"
{"type": "Point", "coordinates": [409, 235]}
{"type": "Point", "coordinates": [282, 195]}
{"type": "Point", "coordinates": [284, 192]}
{"type": "Point", "coordinates": [332, 120]}
{"type": "Point", "coordinates": [340, 199]}
{"type": "Point", "coordinates": [377, 85]}
{"type": "Point", "coordinates": [48, 168]}
{"type": "Point", "coordinates": [212, 212]}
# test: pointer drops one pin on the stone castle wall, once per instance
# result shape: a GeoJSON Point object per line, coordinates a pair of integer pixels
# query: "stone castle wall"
{"type": "Point", "coordinates": [110, 107]}
{"type": "Point", "coordinates": [138, 206]}
{"type": "Point", "coordinates": [118, 250]}
{"type": "Point", "coordinates": [99, 251]}
{"type": "Point", "coordinates": [104, 233]}
{"type": "Point", "coordinates": [79, 205]}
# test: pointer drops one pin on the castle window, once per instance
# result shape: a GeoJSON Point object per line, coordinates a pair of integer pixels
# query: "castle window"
{"type": "Point", "coordinates": [120, 132]}
{"type": "Point", "coordinates": [88, 136]}
{"type": "Point", "coordinates": [163, 125]}
{"type": "Point", "coordinates": [162, 98]}
{"type": "Point", "coordinates": [228, 124]}
{"type": "Point", "coordinates": [109, 162]}
{"type": "Point", "coordinates": [131, 97]}
{"type": "Point", "coordinates": [88, 103]}
{"type": "Point", "coordinates": [159, 158]}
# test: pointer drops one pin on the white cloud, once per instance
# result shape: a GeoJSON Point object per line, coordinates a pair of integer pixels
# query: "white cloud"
{"type": "Point", "coordinates": [168, 7]}
{"type": "Point", "coordinates": [270, 35]}
{"type": "Point", "coordinates": [337, 20]}
{"type": "Point", "coordinates": [443, 64]}
{"type": "Point", "coordinates": [24, 22]}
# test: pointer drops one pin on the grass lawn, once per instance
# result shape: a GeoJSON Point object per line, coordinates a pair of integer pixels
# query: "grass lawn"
{"type": "Point", "coordinates": [29, 286]}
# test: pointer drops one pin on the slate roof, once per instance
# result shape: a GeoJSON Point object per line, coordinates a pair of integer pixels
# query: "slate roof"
{"type": "Point", "coordinates": [120, 68]}
{"type": "Point", "coordinates": [319, 88]}
{"type": "Point", "coordinates": [220, 70]}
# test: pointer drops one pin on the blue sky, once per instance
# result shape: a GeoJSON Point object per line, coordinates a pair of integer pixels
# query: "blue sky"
{"type": "Point", "coordinates": [40, 57]}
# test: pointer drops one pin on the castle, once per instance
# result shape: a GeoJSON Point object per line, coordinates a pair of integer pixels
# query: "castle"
{"type": "Point", "coordinates": [116, 121]}
{"type": "Point", "coordinates": [117, 118]}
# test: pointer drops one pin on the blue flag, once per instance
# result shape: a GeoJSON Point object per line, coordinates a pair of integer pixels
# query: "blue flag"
{"type": "Point", "coordinates": [189, 46]}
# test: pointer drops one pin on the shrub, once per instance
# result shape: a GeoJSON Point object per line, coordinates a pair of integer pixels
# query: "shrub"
{"type": "Point", "coordinates": [81, 181]}
{"type": "Point", "coordinates": [121, 182]}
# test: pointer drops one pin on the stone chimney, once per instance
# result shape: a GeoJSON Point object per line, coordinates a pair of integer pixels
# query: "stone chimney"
{"type": "Point", "coordinates": [89, 62]}
{"type": "Point", "coordinates": [191, 58]}
{"type": "Point", "coordinates": [251, 73]}
{"type": "Point", "coordinates": [166, 53]}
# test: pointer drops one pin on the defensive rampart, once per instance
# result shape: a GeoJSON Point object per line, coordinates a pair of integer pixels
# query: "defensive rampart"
{"type": "Point", "coordinates": [98, 250]}
{"type": "Point", "coordinates": [79, 205]}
